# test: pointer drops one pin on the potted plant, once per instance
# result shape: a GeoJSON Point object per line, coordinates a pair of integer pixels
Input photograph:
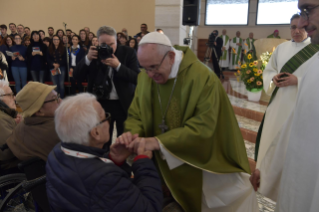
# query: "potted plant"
{"type": "Point", "coordinates": [252, 77]}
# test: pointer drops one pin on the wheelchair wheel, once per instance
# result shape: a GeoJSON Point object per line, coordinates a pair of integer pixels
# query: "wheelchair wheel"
{"type": "Point", "coordinates": [8, 182]}
{"type": "Point", "coordinates": [18, 199]}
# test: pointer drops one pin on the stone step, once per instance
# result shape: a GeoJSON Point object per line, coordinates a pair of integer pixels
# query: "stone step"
{"type": "Point", "coordinates": [248, 128]}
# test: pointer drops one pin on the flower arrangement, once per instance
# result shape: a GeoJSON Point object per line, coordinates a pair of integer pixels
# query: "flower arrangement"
{"type": "Point", "coordinates": [250, 74]}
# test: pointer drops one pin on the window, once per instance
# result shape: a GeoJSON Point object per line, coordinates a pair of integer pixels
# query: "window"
{"type": "Point", "coordinates": [227, 12]}
{"type": "Point", "coordinates": [276, 11]}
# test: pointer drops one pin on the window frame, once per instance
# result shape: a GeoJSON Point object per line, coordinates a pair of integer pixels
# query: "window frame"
{"type": "Point", "coordinates": [226, 24]}
{"type": "Point", "coordinates": [256, 24]}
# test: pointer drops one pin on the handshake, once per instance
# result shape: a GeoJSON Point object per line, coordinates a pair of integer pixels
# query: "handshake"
{"type": "Point", "coordinates": [126, 144]}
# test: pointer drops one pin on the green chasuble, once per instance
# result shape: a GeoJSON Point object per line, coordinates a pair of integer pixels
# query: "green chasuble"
{"type": "Point", "coordinates": [253, 48]}
{"type": "Point", "coordinates": [225, 52]}
{"type": "Point", "coordinates": [203, 130]}
{"type": "Point", "coordinates": [272, 36]}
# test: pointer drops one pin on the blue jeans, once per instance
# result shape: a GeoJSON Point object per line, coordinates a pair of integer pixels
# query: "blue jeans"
{"type": "Point", "coordinates": [35, 75]}
{"type": "Point", "coordinates": [19, 73]}
{"type": "Point", "coordinates": [58, 80]}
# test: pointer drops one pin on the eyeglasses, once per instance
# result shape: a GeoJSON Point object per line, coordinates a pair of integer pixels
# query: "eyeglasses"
{"type": "Point", "coordinates": [107, 118]}
{"type": "Point", "coordinates": [304, 13]}
{"type": "Point", "coordinates": [8, 94]}
{"type": "Point", "coordinates": [158, 66]}
{"type": "Point", "coordinates": [56, 98]}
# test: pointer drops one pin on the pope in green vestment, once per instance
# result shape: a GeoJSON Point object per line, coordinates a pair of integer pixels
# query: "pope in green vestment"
{"type": "Point", "coordinates": [202, 131]}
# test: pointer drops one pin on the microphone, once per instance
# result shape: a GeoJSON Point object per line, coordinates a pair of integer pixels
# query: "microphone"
{"type": "Point", "coordinates": [64, 24]}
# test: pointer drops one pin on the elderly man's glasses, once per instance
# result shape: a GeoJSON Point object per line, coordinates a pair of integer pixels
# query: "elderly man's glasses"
{"type": "Point", "coordinates": [304, 13]}
{"type": "Point", "coordinates": [107, 118]}
{"type": "Point", "coordinates": [8, 94]}
{"type": "Point", "coordinates": [157, 67]}
{"type": "Point", "coordinates": [56, 98]}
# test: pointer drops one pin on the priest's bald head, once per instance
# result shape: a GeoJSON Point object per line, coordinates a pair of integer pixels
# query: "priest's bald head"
{"type": "Point", "coordinates": [156, 54]}
{"type": "Point", "coordinates": [237, 34]}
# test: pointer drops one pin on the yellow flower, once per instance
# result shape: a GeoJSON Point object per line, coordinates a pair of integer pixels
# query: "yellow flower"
{"type": "Point", "coordinates": [245, 51]}
{"type": "Point", "coordinates": [259, 83]}
{"type": "Point", "coordinates": [239, 63]}
{"type": "Point", "coordinates": [244, 66]}
{"type": "Point", "coordinates": [261, 76]}
{"type": "Point", "coordinates": [255, 69]}
{"type": "Point", "coordinates": [248, 81]}
{"type": "Point", "coordinates": [260, 71]}
{"type": "Point", "coordinates": [248, 72]}
{"type": "Point", "coordinates": [235, 74]}
{"type": "Point", "coordinates": [251, 65]}
{"type": "Point", "coordinates": [246, 44]}
{"type": "Point", "coordinates": [249, 56]}
{"type": "Point", "coordinates": [252, 79]}
{"type": "Point", "coordinates": [256, 75]}
{"type": "Point", "coordinates": [255, 62]}
{"type": "Point", "coordinates": [238, 71]}
{"type": "Point", "coordinates": [234, 51]}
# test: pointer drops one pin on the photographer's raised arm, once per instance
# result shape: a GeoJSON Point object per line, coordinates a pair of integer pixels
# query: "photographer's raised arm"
{"type": "Point", "coordinates": [83, 67]}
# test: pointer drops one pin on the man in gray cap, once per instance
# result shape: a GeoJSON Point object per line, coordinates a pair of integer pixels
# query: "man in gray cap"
{"type": "Point", "coordinates": [35, 136]}
{"type": "Point", "coordinates": [182, 111]}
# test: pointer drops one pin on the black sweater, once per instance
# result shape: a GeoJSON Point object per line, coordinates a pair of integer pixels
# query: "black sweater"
{"type": "Point", "coordinates": [56, 57]}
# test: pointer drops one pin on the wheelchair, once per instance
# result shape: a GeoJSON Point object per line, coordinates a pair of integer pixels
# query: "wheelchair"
{"type": "Point", "coordinates": [25, 191]}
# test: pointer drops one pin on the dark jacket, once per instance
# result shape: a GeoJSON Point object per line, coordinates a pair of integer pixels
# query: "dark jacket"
{"type": "Point", "coordinates": [218, 47]}
{"type": "Point", "coordinates": [78, 57]}
{"type": "Point", "coordinates": [77, 184]}
{"type": "Point", "coordinates": [7, 125]}
{"type": "Point", "coordinates": [34, 137]}
{"type": "Point", "coordinates": [56, 57]}
{"type": "Point", "coordinates": [22, 50]}
{"type": "Point", "coordinates": [37, 62]}
{"type": "Point", "coordinates": [124, 79]}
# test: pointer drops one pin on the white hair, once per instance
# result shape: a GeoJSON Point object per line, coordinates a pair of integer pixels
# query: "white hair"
{"type": "Point", "coordinates": [3, 84]}
{"type": "Point", "coordinates": [75, 117]}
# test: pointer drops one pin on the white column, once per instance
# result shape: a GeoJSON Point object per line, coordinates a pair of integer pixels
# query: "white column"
{"type": "Point", "coordinates": [168, 16]}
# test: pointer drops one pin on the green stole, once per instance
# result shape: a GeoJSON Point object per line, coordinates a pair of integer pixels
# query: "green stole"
{"type": "Point", "coordinates": [239, 50]}
{"type": "Point", "coordinates": [224, 56]}
{"type": "Point", "coordinates": [290, 67]}
{"type": "Point", "coordinates": [253, 48]}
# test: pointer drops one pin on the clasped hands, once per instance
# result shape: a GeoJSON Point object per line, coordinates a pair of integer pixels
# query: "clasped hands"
{"type": "Point", "coordinates": [126, 144]}
{"type": "Point", "coordinates": [284, 81]}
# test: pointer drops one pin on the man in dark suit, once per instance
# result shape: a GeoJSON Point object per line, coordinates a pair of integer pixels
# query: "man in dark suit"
{"type": "Point", "coordinates": [216, 43]}
{"type": "Point", "coordinates": [112, 80]}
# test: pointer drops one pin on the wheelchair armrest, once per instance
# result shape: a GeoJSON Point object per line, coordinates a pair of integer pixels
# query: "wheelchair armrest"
{"type": "Point", "coordinates": [31, 184]}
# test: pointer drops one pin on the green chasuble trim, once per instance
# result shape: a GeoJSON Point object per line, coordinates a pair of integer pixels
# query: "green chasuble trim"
{"type": "Point", "coordinates": [224, 56]}
{"type": "Point", "coordinates": [253, 48]}
{"type": "Point", "coordinates": [238, 55]}
{"type": "Point", "coordinates": [203, 130]}
{"type": "Point", "coordinates": [290, 67]}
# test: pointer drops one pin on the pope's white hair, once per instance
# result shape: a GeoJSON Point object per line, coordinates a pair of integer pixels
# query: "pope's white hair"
{"type": "Point", "coordinates": [3, 84]}
{"type": "Point", "coordinates": [75, 117]}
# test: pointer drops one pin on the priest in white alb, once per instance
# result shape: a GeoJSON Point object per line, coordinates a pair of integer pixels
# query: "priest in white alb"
{"type": "Point", "coordinates": [224, 59]}
{"type": "Point", "coordinates": [237, 46]}
{"type": "Point", "coordinates": [299, 187]}
{"type": "Point", "coordinates": [282, 79]}
{"type": "Point", "coordinates": [182, 111]}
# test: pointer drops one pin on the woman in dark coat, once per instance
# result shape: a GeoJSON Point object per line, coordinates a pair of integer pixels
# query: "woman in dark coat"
{"type": "Point", "coordinates": [76, 54]}
{"type": "Point", "coordinates": [36, 54]}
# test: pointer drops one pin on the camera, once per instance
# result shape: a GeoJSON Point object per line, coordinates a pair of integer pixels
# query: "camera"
{"type": "Point", "coordinates": [211, 40]}
{"type": "Point", "coordinates": [104, 51]}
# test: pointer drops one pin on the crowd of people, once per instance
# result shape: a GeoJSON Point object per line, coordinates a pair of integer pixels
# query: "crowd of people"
{"type": "Point", "coordinates": [31, 55]}
{"type": "Point", "coordinates": [174, 113]}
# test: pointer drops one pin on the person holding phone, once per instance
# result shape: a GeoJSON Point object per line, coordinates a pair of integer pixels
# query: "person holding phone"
{"type": "Point", "coordinates": [19, 64]}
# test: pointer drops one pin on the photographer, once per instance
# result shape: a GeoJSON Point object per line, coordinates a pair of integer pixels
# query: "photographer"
{"type": "Point", "coordinates": [216, 43]}
{"type": "Point", "coordinates": [112, 75]}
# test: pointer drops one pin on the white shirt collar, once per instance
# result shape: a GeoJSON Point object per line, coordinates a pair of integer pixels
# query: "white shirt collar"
{"type": "Point", "coordinates": [177, 63]}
